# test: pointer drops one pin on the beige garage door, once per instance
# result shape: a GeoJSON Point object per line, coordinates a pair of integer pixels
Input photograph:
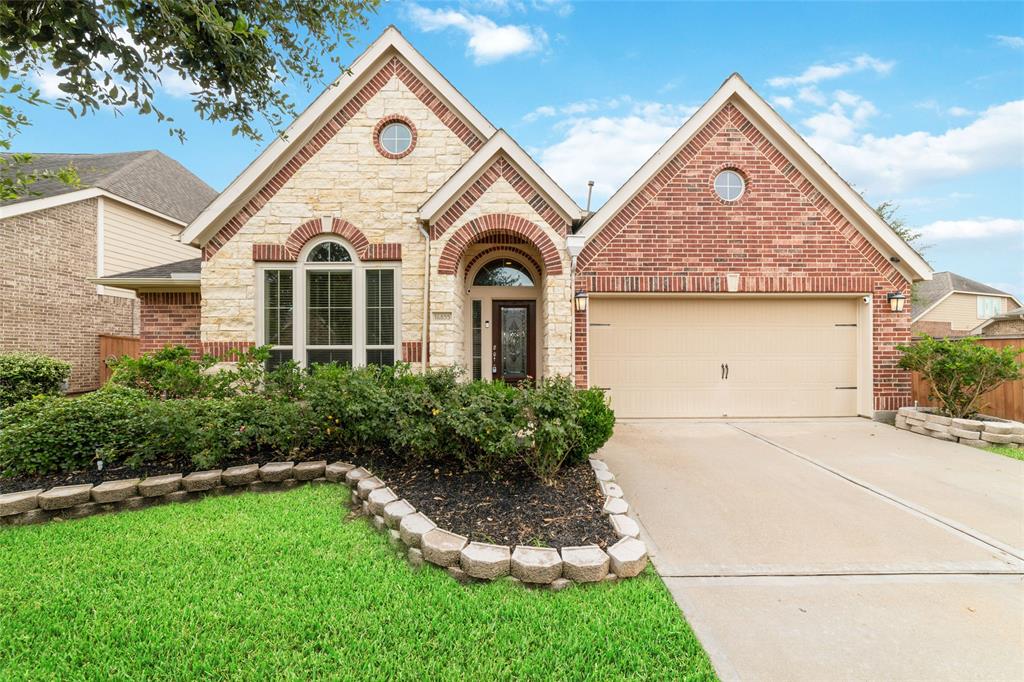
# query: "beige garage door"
{"type": "Point", "coordinates": [741, 357]}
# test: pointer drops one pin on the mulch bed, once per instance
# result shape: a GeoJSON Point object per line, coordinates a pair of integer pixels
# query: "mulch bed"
{"type": "Point", "coordinates": [510, 508]}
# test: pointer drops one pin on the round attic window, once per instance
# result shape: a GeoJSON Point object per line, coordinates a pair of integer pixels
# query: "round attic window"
{"type": "Point", "coordinates": [729, 185]}
{"type": "Point", "coordinates": [395, 137]}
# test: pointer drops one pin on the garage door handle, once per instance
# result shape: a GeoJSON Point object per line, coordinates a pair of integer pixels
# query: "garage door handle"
{"type": "Point", "coordinates": [722, 367]}
{"type": "Point", "coordinates": [727, 370]}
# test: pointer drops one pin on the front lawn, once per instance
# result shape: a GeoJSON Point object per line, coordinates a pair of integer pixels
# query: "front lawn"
{"type": "Point", "coordinates": [1007, 451]}
{"type": "Point", "coordinates": [279, 586]}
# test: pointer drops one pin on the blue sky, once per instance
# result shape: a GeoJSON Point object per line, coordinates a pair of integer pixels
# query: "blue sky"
{"type": "Point", "coordinates": [921, 104]}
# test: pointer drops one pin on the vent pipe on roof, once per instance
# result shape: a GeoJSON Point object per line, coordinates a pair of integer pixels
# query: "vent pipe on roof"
{"type": "Point", "coordinates": [590, 191]}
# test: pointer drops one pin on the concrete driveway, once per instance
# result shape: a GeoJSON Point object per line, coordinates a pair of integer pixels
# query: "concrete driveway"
{"type": "Point", "coordinates": [832, 549]}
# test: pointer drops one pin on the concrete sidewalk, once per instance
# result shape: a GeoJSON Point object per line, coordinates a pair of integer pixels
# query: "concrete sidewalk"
{"type": "Point", "coordinates": [833, 549]}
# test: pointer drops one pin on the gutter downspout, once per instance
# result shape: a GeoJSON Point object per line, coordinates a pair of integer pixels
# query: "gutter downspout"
{"type": "Point", "coordinates": [424, 344]}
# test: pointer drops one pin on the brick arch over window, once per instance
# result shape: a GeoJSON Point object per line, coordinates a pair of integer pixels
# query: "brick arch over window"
{"type": "Point", "coordinates": [498, 224]}
{"type": "Point", "coordinates": [314, 228]}
{"type": "Point", "coordinates": [490, 251]}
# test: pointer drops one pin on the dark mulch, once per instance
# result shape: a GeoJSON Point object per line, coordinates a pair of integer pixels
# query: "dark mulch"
{"type": "Point", "coordinates": [510, 508]}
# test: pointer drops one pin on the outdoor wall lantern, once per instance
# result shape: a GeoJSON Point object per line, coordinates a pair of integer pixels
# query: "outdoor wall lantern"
{"type": "Point", "coordinates": [581, 301]}
{"type": "Point", "coordinates": [896, 300]}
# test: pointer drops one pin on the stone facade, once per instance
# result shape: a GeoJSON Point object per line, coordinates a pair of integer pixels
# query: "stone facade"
{"type": "Point", "coordinates": [782, 237]}
{"type": "Point", "coordinates": [376, 196]}
{"type": "Point", "coordinates": [350, 180]}
{"type": "Point", "coordinates": [46, 303]}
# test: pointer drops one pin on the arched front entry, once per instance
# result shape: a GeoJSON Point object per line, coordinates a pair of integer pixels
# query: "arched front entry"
{"type": "Point", "coordinates": [515, 319]}
{"type": "Point", "coordinates": [502, 331]}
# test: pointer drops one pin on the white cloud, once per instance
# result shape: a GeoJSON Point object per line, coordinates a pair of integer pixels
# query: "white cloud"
{"type": "Point", "coordinates": [959, 111]}
{"type": "Point", "coordinates": [488, 42]}
{"type": "Point", "coordinates": [841, 120]}
{"type": "Point", "coordinates": [1015, 42]}
{"type": "Point", "coordinates": [783, 102]}
{"type": "Point", "coordinates": [822, 72]}
{"type": "Point", "coordinates": [995, 139]}
{"type": "Point", "coordinates": [608, 149]}
{"type": "Point", "coordinates": [811, 95]}
{"type": "Point", "coordinates": [562, 8]}
{"type": "Point", "coordinates": [978, 228]}
{"type": "Point", "coordinates": [539, 113]}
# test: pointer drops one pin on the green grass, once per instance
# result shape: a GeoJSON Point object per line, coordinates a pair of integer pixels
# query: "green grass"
{"type": "Point", "coordinates": [1007, 451]}
{"type": "Point", "coordinates": [279, 586]}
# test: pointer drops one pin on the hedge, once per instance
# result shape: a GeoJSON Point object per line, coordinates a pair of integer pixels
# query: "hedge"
{"type": "Point", "coordinates": [167, 406]}
{"type": "Point", "coordinates": [25, 375]}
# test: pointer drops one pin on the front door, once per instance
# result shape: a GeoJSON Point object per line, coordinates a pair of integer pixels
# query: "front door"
{"type": "Point", "coordinates": [513, 349]}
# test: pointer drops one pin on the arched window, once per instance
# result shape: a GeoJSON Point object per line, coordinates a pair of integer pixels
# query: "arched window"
{"type": "Point", "coordinates": [329, 252]}
{"type": "Point", "coordinates": [330, 307]}
{"type": "Point", "coordinates": [503, 272]}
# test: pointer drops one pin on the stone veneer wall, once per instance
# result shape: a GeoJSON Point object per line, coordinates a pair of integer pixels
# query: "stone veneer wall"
{"type": "Point", "coordinates": [46, 303]}
{"type": "Point", "coordinates": [348, 179]}
{"type": "Point", "coordinates": [554, 305]}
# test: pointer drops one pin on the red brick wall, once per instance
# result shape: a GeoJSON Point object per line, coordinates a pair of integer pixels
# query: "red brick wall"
{"type": "Point", "coordinates": [782, 236]}
{"type": "Point", "coordinates": [46, 303]}
{"type": "Point", "coordinates": [170, 319]}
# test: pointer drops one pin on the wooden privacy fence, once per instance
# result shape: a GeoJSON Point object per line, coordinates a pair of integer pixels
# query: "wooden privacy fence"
{"type": "Point", "coordinates": [1007, 401]}
{"type": "Point", "coordinates": [113, 347]}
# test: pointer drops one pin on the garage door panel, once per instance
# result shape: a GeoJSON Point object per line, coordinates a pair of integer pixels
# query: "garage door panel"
{"type": "Point", "coordinates": [663, 357]}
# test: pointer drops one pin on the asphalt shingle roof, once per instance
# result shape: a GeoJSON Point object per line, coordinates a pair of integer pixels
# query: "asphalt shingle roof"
{"type": "Point", "coordinates": [927, 293]}
{"type": "Point", "coordinates": [191, 266]}
{"type": "Point", "coordinates": [149, 178]}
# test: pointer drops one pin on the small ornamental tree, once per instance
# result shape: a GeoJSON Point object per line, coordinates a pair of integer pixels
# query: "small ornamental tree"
{"type": "Point", "coordinates": [961, 371]}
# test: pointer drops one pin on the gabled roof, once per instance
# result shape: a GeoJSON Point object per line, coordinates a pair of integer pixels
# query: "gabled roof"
{"type": "Point", "coordinates": [943, 284]}
{"type": "Point", "coordinates": [184, 274]}
{"type": "Point", "coordinates": [147, 178]}
{"type": "Point", "coordinates": [500, 143]}
{"type": "Point", "coordinates": [390, 43]}
{"type": "Point", "coordinates": [736, 91]}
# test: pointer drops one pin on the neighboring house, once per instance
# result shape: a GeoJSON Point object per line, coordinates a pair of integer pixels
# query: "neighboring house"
{"type": "Point", "coordinates": [734, 274]}
{"type": "Point", "coordinates": [1010, 323]}
{"type": "Point", "coordinates": [953, 305]}
{"type": "Point", "coordinates": [126, 215]}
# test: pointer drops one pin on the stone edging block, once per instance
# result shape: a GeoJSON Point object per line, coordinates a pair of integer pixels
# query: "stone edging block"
{"type": "Point", "coordinates": [973, 432]}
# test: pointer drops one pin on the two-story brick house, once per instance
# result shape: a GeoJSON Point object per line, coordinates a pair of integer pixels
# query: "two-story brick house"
{"type": "Point", "coordinates": [734, 274]}
{"type": "Point", "coordinates": [125, 214]}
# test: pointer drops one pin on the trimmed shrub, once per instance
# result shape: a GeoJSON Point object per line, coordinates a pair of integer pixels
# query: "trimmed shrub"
{"type": "Point", "coordinates": [52, 433]}
{"type": "Point", "coordinates": [554, 429]}
{"type": "Point", "coordinates": [597, 422]}
{"type": "Point", "coordinates": [26, 375]}
{"type": "Point", "coordinates": [961, 371]}
{"type": "Point", "coordinates": [167, 374]}
{"type": "Point", "coordinates": [486, 422]}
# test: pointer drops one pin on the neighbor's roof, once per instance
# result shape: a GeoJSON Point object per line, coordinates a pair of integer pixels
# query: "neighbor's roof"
{"type": "Point", "coordinates": [182, 275]}
{"type": "Point", "coordinates": [930, 293]}
{"type": "Point", "coordinates": [192, 266]}
{"type": "Point", "coordinates": [148, 178]}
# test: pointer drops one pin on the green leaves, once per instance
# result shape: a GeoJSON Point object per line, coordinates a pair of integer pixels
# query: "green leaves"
{"type": "Point", "coordinates": [961, 371]}
{"type": "Point", "coordinates": [25, 375]}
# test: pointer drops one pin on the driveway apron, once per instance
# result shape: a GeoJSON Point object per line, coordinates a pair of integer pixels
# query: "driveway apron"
{"type": "Point", "coordinates": [832, 549]}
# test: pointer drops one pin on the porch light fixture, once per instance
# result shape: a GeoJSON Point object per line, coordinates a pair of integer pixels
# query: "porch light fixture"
{"type": "Point", "coordinates": [580, 299]}
{"type": "Point", "coordinates": [896, 300]}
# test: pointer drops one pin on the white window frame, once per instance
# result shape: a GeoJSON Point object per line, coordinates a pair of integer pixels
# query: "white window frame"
{"type": "Point", "coordinates": [388, 126]}
{"type": "Point", "coordinates": [358, 269]}
{"type": "Point", "coordinates": [997, 301]}
{"type": "Point", "coordinates": [743, 184]}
